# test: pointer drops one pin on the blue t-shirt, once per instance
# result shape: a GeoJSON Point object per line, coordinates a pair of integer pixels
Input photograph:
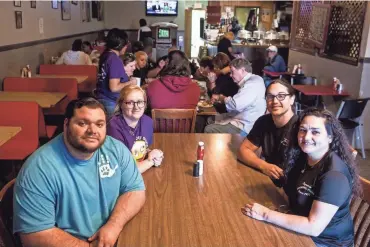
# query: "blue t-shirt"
{"type": "Point", "coordinates": [54, 189]}
{"type": "Point", "coordinates": [110, 67]}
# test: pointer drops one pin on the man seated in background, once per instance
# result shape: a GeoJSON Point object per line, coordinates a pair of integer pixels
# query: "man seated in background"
{"type": "Point", "coordinates": [81, 188]}
{"type": "Point", "coordinates": [243, 108]}
{"type": "Point", "coordinates": [274, 63]}
{"type": "Point", "coordinates": [271, 132]}
{"type": "Point", "coordinates": [75, 56]}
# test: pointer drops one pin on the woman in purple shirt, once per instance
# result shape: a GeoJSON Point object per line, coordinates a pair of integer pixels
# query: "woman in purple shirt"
{"type": "Point", "coordinates": [133, 128]}
{"type": "Point", "coordinates": [111, 75]}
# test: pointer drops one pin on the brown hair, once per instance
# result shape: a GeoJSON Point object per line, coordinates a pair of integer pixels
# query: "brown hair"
{"type": "Point", "coordinates": [221, 60]}
{"type": "Point", "coordinates": [339, 144]}
{"type": "Point", "coordinates": [123, 95]}
{"type": "Point", "coordinates": [178, 64]}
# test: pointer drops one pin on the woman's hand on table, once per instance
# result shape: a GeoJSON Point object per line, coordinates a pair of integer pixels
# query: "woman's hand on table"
{"type": "Point", "coordinates": [156, 156]}
{"type": "Point", "coordinates": [256, 211]}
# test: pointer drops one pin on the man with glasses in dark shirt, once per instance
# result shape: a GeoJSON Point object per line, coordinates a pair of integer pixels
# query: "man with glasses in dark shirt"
{"type": "Point", "coordinates": [271, 131]}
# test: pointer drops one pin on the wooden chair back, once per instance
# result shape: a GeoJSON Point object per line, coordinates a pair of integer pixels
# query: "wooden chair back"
{"type": "Point", "coordinates": [360, 210]}
{"type": "Point", "coordinates": [174, 120]}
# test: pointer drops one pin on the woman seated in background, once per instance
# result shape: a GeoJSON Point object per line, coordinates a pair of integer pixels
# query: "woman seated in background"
{"type": "Point", "coordinates": [129, 64]}
{"type": "Point", "coordinates": [112, 77]}
{"type": "Point", "coordinates": [221, 83]}
{"type": "Point", "coordinates": [75, 56]}
{"type": "Point", "coordinates": [134, 129]}
{"type": "Point", "coordinates": [141, 70]}
{"type": "Point", "coordinates": [225, 46]}
{"type": "Point", "coordinates": [174, 88]}
{"type": "Point", "coordinates": [319, 185]}
{"type": "Point", "coordinates": [93, 54]}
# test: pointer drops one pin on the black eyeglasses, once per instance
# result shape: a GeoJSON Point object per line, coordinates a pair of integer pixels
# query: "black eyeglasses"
{"type": "Point", "coordinates": [279, 97]}
{"type": "Point", "coordinates": [131, 104]}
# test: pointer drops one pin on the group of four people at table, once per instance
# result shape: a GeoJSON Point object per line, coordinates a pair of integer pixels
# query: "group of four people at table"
{"type": "Point", "coordinates": [81, 188]}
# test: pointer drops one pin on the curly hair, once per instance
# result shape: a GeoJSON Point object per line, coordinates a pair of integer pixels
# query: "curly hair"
{"type": "Point", "coordinates": [339, 144]}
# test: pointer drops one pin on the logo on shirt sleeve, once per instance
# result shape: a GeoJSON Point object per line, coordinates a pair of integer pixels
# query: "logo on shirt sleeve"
{"type": "Point", "coordinates": [105, 170]}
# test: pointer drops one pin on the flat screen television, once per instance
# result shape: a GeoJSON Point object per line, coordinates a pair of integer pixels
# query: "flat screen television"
{"type": "Point", "coordinates": [163, 33]}
{"type": "Point", "coordinates": [161, 7]}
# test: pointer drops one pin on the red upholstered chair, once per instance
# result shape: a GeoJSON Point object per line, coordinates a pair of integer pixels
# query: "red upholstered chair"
{"type": "Point", "coordinates": [174, 120]}
{"type": "Point", "coordinates": [88, 70]}
{"type": "Point", "coordinates": [26, 116]}
{"type": "Point", "coordinates": [65, 85]}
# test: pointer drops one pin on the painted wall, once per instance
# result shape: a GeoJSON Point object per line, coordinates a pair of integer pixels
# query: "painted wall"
{"type": "Point", "coordinates": [126, 15]}
{"type": "Point", "coordinates": [54, 26]}
{"type": "Point", "coordinates": [13, 60]}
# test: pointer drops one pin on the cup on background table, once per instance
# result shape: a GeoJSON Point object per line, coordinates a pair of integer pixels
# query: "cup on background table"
{"type": "Point", "coordinates": [138, 81]}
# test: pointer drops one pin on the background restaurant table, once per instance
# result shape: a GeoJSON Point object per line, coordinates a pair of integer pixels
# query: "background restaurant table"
{"type": "Point", "coordinates": [319, 90]}
{"type": "Point", "coordinates": [80, 78]}
{"type": "Point", "coordinates": [44, 99]}
{"type": "Point", "coordinates": [182, 210]}
{"type": "Point", "coordinates": [7, 132]}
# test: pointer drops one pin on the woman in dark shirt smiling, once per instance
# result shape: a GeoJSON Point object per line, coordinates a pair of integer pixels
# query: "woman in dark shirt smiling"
{"type": "Point", "coordinates": [324, 166]}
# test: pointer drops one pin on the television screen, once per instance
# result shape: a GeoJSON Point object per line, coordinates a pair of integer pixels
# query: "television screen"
{"type": "Point", "coordinates": [161, 7]}
{"type": "Point", "coordinates": [163, 33]}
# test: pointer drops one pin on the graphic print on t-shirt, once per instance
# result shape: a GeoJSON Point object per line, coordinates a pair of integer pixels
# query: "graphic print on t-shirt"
{"type": "Point", "coordinates": [102, 75]}
{"type": "Point", "coordinates": [139, 148]}
{"type": "Point", "coordinates": [105, 170]}
{"type": "Point", "coordinates": [305, 190]}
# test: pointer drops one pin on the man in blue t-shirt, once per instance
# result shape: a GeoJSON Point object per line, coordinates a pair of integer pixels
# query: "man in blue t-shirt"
{"type": "Point", "coordinates": [81, 188]}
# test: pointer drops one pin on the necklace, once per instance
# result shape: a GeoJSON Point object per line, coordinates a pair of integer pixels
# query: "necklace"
{"type": "Point", "coordinates": [304, 169]}
{"type": "Point", "coordinates": [131, 131]}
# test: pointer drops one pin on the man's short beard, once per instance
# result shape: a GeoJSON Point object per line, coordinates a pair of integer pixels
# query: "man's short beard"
{"type": "Point", "coordinates": [74, 143]}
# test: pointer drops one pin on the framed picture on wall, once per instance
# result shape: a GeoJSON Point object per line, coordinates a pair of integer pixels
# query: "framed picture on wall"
{"type": "Point", "coordinates": [94, 7]}
{"type": "Point", "coordinates": [33, 4]}
{"type": "Point", "coordinates": [18, 19]}
{"type": "Point", "coordinates": [85, 11]}
{"type": "Point", "coordinates": [66, 10]}
{"type": "Point", "coordinates": [75, 2]}
{"type": "Point", "coordinates": [54, 4]}
{"type": "Point", "coordinates": [17, 4]}
{"type": "Point", "coordinates": [100, 11]}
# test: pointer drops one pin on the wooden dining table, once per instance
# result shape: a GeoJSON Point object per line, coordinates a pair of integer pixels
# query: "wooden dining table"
{"type": "Point", "coordinates": [80, 78]}
{"type": "Point", "coordinates": [7, 133]}
{"type": "Point", "coordinates": [44, 99]}
{"type": "Point", "coordinates": [182, 210]}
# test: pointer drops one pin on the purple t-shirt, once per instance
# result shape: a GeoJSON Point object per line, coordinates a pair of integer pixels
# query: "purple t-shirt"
{"type": "Point", "coordinates": [110, 67]}
{"type": "Point", "coordinates": [136, 139]}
